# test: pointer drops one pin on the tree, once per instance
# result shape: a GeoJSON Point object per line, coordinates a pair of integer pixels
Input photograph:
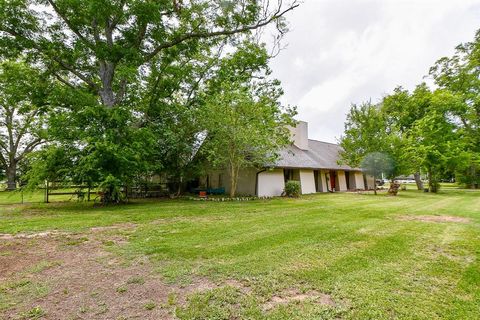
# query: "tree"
{"type": "Point", "coordinates": [368, 130]}
{"type": "Point", "coordinates": [402, 109]}
{"type": "Point", "coordinates": [460, 75]}
{"type": "Point", "coordinates": [23, 110]}
{"type": "Point", "coordinates": [245, 125]}
{"type": "Point", "coordinates": [245, 128]}
{"type": "Point", "coordinates": [365, 132]}
{"type": "Point", "coordinates": [436, 131]}
{"type": "Point", "coordinates": [107, 45]}
{"type": "Point", "coordinates": [433, 142]}
{"type": "Point", "coordinates": [110, 56]}
{"type": "Point", "coordinates": [376, 164]}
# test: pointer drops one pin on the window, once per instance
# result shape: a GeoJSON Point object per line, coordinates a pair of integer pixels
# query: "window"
{"type": "Point", "coordinates": [288, 174]}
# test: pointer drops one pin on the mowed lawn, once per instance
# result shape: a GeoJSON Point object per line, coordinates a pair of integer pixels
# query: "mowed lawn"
{"type": "Point", "coordinates": [325, 256]}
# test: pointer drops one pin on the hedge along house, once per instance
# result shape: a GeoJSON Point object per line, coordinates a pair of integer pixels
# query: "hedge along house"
{"type": "Point", "coordinates": [313, 163]}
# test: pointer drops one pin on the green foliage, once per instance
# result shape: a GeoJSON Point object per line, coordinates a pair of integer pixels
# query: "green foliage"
{"type": "Point", "coordinates": [245, 124]}
{"type": "Point", "coordinates": [111, 188]}
{"type": "Point", "coordinates": [468, 169]}
{"type": "Point", "coordinates": [130, 75]}
{"type": "Point", "coordinates": [34, 313]}
{"type": "Point", "coordinates": [365, 132]}
{"type": "Point", "coordinates": [293, 188]}
{"type": "Point", "coordinates": [433, 141]}
{"type": "Point", "coordinates": [436, 131]}
{"type": "Point", "coordinates": [24, 102]}
{"type": "Point", "coordinates": [376, 163]}
{"type": "Point", "coordinates": [150, 305]}
{"type": "Point", "coordinates": [369, 133]}
{"type": "Point", "coordinates": [459, 75]}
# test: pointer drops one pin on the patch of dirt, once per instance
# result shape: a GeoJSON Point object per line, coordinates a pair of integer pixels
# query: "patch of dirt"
{"type": "Point", "coordinates": [7, 236]}
{"type": "Point", "coordinates": [122, 226]}
{"type": "Point", "coordinates": [290, 296]}
{"type": "Point", "coordinates": [86, 281]}
{"type": "Point", "coordinates": [437, 219]}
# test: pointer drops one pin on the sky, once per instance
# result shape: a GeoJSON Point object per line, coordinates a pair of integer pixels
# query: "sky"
{"type": "Point", "coordinates": [340, 52]}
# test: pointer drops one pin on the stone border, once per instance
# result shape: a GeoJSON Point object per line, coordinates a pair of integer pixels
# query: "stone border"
{"type": "Point", "coordinates": [226, 199]}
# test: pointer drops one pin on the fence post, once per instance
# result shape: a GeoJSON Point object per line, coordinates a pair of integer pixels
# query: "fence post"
{"type": "Point", "coordinates": [46, 191]}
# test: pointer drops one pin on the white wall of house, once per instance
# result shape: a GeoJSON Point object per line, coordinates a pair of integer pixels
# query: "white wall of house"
{"type": "Point", "coordinates": [307, 181]}
{"type": "Point", "coordinates": [355, 180]}
{"type": "Point", "coordinates": [341, 184]}
{"type": "Point", "coordinates": [271, 183]}
{"type": "Point", "coordinates": [359, 184]}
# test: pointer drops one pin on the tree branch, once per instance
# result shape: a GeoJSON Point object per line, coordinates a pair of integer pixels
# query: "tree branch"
{"type": "Point", "coordinates": [3, 161]}
{"type": "Point", "coordinates": [194, 35]}
{"type": "Point", "coordinates": [23, 129]}
{"type": "Point", "coordinates": [66, 82]}
{"type": "Point", "coordinates": [75, 72]}
{"type": "Point", "coordinates": [53, 57]}
{"type": "Point", "coordinates": [70, 25]}
{"type": "Point", "coordinates": [3, 146]}
{"type": "Point", "coordinates": [29, 148]}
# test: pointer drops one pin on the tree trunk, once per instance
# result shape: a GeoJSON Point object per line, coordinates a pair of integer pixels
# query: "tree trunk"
{"type": "Point", "coordinates": [11, 175]}
{"type": "Point", "coordinates": [232, 182]}
{"type": "Point", "coordinates": [418, 181]}
{"type": "Point", "coordinates": [107, 71]}
{"type": "Point", "coordinates": [432, 184]}
{"type": "Point", "coordinates": [374, 185]}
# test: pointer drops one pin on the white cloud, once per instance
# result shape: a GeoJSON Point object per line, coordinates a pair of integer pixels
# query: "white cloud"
{"type": "Point", "coordinates": [343, 51]}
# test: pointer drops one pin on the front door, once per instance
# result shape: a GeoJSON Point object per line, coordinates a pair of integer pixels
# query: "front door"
{"type": "Point", "coordinates": [332, 180]}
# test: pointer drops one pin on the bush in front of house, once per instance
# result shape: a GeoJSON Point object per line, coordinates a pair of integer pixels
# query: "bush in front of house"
{"type": "Point", "coordinates": [292, 188]}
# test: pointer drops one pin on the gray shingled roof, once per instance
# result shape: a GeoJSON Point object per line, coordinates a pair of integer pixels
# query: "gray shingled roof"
{"type": "Point", "coordinates": [321, 155]}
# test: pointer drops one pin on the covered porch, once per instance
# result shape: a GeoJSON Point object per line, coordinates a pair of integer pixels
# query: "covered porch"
{"type": "Point", "coordinates": [324, 180]}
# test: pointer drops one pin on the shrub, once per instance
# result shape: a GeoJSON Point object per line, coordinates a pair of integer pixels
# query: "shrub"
{"type": "Point", "coordinates": [292, 188]}
{"type": "Point", "coordinates": [111, 188]}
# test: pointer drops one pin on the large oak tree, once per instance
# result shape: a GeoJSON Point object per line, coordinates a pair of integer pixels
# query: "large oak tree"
{"type": "Point", "coordinates": [124, 66]}
{"type": "Point", "coordinates": [107, 45]}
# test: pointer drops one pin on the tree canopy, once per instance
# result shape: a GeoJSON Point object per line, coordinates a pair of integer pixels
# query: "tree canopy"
{"type": "Point", "coordinates": [133, 76]}
{"type": "Point", "coordinates": [24, 106]}
{"type": "Point", "coordinates": [245, 125]}
{"type": "Point", "coordinates": [431, 130]}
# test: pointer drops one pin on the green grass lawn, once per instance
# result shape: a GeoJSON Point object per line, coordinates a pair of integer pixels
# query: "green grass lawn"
{"type": "Point", "coordinates": [36, 196]}
{"type": "Point", "coordinates": [369, 254]}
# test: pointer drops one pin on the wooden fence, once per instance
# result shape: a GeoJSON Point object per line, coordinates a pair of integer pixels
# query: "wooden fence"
{"type": "Point", "coordinates": [89, 192]}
